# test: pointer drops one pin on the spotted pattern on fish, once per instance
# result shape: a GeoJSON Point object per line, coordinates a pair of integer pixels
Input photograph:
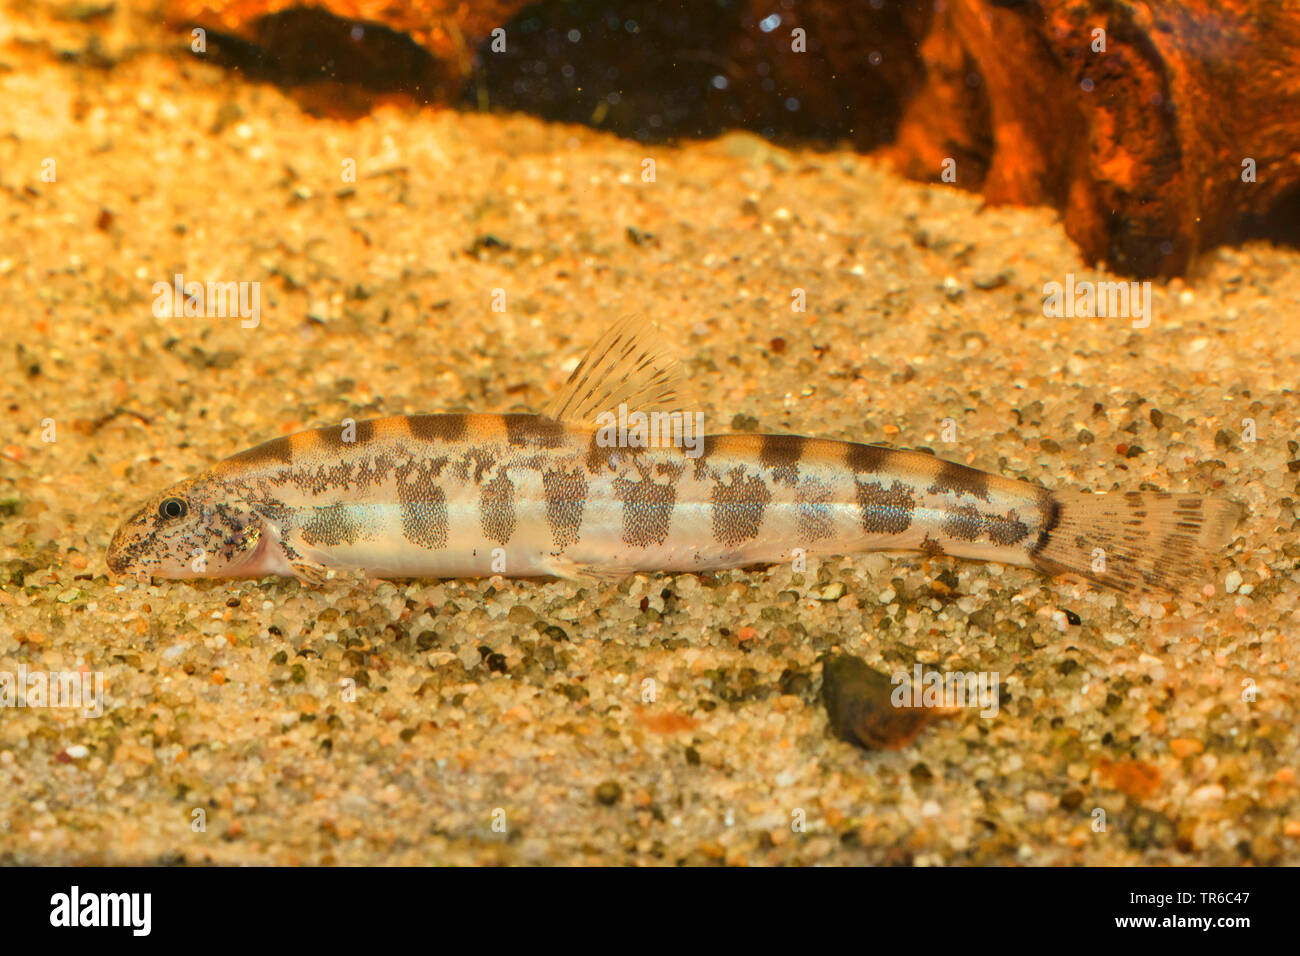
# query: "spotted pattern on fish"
{"type": "Point", "coordinates": [533, 431]}
{"type": "Point", "coordinates": [647, 510]}
{"type": "Point", "coordinates": [497, 506]}
{"type": "Point", "coordinates": [816, 519]}
{"type": "Point", "coordinates": [866, 458]}
{"type": "Point", "coordinates": [423, 503]}
{"type": "Point", "coordinates": [1050, 514]}
{"type": "Point", "coordinates": [964, 522]}
{"type": "Point", "coordinates": [601, 459]}
{"type": "Point", "coordinates": [739, 501]}
{"type": "Point", "coordinates": [781, 453]}
{"type": "Point", "coordinates": [1005, 530]}
{"type": "Point", "coordinates": [482, 460]}
{"type": "Point", "coordinates": [931, 546]}
{"type": "Point", "coordinates": [331, 525]}
{"type": "Point", "coordinates": [566, 496]}
{"type": "Point", "coordinates": [885, 510]}
{"type": "Point", "coordinates": [960, 480]}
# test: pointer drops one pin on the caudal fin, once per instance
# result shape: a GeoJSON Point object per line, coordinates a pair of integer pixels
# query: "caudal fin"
{"type": "Point", "coordinates": [1136, 541]}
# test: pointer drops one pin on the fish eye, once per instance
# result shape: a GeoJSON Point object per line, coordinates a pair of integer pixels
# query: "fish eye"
{"type": "Point", "coordinates": [173, 508]}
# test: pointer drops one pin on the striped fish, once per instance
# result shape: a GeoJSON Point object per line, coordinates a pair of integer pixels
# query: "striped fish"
{"type": "Point", "coordinates": [532, 495]}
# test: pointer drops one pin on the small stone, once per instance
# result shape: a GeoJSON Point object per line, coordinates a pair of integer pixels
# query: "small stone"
{"type": "Point", "coordinates": [1210, 793]}
{"type": "Point", "coordinates": [78, 751]}
{"type": "Point", "coordinates": [1232, 582]}
{"type": "Point", "coordinates": [860, 707]}
{"type": "Point", "coordinates": [1038, 802]}
{"type": "Point", "coordinates": [832, 592]}
{"type": "Point", "coordinates": [609, 793]}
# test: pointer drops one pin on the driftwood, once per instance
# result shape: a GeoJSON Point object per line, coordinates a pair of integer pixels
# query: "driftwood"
{"type": "Point", "coordinates": [1185, 132]}
{"type": "Point", "coordinates": [1157, 129]}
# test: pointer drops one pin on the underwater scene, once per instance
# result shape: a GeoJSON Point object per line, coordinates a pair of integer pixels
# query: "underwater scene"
{"type": "Point", "coordinates": [742, 433]}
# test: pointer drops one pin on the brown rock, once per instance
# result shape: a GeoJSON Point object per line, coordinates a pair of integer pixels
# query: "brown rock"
{"type": "Point", "coordinates": [860, 708]}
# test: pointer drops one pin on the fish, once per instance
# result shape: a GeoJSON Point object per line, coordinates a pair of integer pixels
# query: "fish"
{"type": "Point", "coordinates": [583, 490]}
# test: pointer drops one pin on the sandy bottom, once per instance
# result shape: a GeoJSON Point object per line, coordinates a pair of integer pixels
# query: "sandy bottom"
{"type": "Point", "coordinates": [666, 719]}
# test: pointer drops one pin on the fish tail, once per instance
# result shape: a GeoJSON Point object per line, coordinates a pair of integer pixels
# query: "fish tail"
{"type": "Point", "coordinates": [1136, 541]}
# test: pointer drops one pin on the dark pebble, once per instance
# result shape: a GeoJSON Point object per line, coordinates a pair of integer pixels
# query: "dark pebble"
{"type": "Point", "coordinates": [795, 682]}
{"type": "Point", "coordinates": [609, 793]}
{"type": "Point", "coordinates": [859, 708]}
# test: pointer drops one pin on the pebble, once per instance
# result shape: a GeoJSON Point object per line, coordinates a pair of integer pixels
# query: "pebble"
{"type": "Point", "coordinates": [1210, 793]}
{"type": "Point", "coordinates": [609, 793]}
{"type": "Point", "coordinates": [1038, 802]}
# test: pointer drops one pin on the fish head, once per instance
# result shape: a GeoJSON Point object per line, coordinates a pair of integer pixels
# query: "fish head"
{"type": "Point", "coordinates": [187, 531]}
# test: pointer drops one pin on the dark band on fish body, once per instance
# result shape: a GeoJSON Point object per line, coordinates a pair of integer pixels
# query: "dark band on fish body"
{"type": "Point", "coordinates": [483, 461]}
{"type": "Point", "coordinates": [647, 510]}
{"type": "Point", "coordinates": [815, 520]}
{"type": "Point", "coordinates": [885, 510]}
{"type": "Point", "coordinates": [533, 430]}
{"type": "Point", "coordinates": [497, 508]}
{"type": "Point", "coordinates": [1006, 529]}
{"type": "Point", "coordinates": [277, 451]}
{"type": "Point", "coordinates": [359, 432]}
{"type": "Point", "coordinates": [702, 470]}
{"type": "Point", "coordinates": [599, 456]}
{"type": "Point", "coordinates": [963, 523]}
{"type": "Point", "coordinates": [1051, 512]}
{"type": "Point", "coordinates": [331, 526]}
{"type": "Point", "coordinates": [738, 506]}
{"type": "Point", "coordinates": [866, 458]}
{"type": "Point", "coordinates": [566, 497]}
{"type": "Point", "coordinates": [782, 454]}
{"type": "Point", "coordinates": [423, 504]}
{"type": "Point", "coordinates": [449, 427]}
{"type": "Point", "coordinates": [960, 480]}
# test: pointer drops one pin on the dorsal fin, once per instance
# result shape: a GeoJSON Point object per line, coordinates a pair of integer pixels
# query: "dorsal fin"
{"type": "Point", "coordinates": [627, 364]}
